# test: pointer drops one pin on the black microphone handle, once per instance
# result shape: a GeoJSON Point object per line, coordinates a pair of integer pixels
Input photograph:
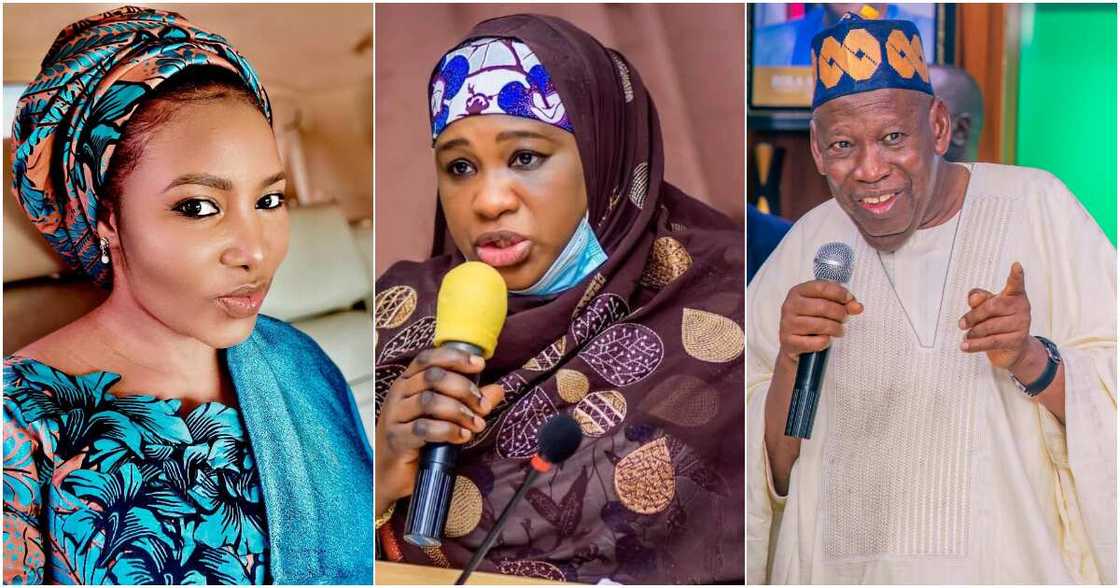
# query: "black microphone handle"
{"type": "Point", "coordinates": [806, 393]}
{"type": "Point", "coordinates": [492, 536]}
{"type": "Point", "coordinates": [435, 483]}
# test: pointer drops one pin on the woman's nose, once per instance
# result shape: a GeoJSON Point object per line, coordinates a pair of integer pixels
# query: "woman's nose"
{"type": "Point", "coordinates": [496, 196]}
{"type": "Point", "coordinates": [246, 248]}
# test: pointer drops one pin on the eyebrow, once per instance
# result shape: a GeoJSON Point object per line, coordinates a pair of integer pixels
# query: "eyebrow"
{"type": "Point", "coordinates": [507, 135]}
{"type": "Point", "coordinates": [218, 183]}
{"type": "Point", "coordinates": [276, 177]}
{"type": "Point", "coordinates": [502, 136]}
{"type": "Point", "coordinates": [452, 144]}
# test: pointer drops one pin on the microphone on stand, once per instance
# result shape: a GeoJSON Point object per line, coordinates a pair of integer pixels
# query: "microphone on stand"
{"type": "Point", "coordinates": [559, 438]}
{"type": "Point", "coordinates": [470, 312]}
{"type": "Point", "coordinates": [833, 262]}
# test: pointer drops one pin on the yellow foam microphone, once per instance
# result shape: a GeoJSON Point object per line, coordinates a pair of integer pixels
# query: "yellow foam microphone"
{"type": "Point", "coordinates": [470, 313]}
{"type": "Point", "coordinates": [471, 307]}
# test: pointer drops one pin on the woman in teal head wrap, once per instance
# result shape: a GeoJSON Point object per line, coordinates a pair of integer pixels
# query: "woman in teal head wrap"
{"type": "Point", "coordinates": [171, 435]}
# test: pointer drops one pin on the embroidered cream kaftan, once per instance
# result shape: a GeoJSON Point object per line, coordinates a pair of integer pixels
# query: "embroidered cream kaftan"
{"type": "Point", "coordinates": [927, 465]}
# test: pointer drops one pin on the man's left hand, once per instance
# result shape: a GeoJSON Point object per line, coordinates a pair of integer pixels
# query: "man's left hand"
{"type": "Point", "coordinates": [1000, 324]}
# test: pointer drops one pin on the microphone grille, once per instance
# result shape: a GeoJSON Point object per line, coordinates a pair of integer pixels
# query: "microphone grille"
{"type": "Point", "coordinates": [833, 262]}
{"type": "Point", "coordinates": [559, 438]}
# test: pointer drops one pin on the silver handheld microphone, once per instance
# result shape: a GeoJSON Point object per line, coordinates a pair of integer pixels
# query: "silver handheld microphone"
{"type": "Point", "coordinates": [833, 262]}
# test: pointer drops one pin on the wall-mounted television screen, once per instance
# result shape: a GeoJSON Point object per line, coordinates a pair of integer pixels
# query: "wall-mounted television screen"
{"type": "Point", "coordinates": [781, 36]}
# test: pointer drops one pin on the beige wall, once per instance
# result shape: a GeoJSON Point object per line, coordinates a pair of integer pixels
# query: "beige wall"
{"type": "Point", "coordinates": [690, 56]}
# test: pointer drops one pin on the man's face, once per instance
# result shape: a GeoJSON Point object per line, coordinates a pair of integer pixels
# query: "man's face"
{"type": "Point", "coordinates": [879, 152]}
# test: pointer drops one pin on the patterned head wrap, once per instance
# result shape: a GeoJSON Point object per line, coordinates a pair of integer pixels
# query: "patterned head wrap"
{"type": "Point", "coordinates": [857, 55]}
{"type": "Point", "coordinates": [71, 117]}
{"type": "Point", "coordinates": [493, 76]}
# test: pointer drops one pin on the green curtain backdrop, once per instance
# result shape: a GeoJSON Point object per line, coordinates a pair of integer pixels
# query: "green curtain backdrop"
{"type": "Point", "coordinates": [1067, 101]}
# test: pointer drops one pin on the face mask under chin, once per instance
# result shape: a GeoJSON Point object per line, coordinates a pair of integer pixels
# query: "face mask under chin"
{"type": "Point", "coordinates": [580, 257]}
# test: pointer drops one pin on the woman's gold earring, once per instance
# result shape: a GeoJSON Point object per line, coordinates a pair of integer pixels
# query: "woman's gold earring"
{"type": "Point", "coordinates": [104, 251]}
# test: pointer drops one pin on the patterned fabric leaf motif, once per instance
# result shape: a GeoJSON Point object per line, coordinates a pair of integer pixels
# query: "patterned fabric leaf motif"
{"type": "Point", "coordinates": [217, 429]}
{"type": "Point", "coordinates": [394, 306]}
{"type": "Point", "coordinates": [51, 392]}
{"type": "Point", "coordinates": [566, 515]}
{"type": "Point", "coordinates": [157, 566]}
{"type": "Point", "coordinates": [222, 567]}
{"type": "Point", "coordinates": [571, 385]}
{"type": "Point", "coordinates": [625, 353]}
{"type": "Point", "coordinates": [517, 436]}
{"type": "Point", "coordinates": [82, 527]}
{"type": "Point", "coordinates": [686, 464]}
{"type": "Point", "coordinates": [156, 418]}
{"type": "Point", "coordinates": [418, 335]}
{"type": "Point", "coordinates": [600, 412]}
{"type": "Point", "coordinates": [385, 377]}
{"type": "Point", "coordinates": [639, 184]}
{"type": "Point", "coordinates": [86, 564]}
{"type": "Point", "coordinates": [513, 385]}
{"type": "Point", "coordinates": [644, 479]}
{"type": "Point", "coordinates": [682, 400]}
{"type": "Point", "coordinates": [20, 484]}
{"type": "Point", "coordinates": [465, 510]}
{"type": "Point", "coordinates": [603, 311]}
{"type": "Point", "coordinates": [593, 287]}
{"type": "Point", "coordinates": [114, 425]}
{"type": "Point", "coordinates": [710, 337]}
{"type": "Point", "coordinates": [624, 75]}
{"type": "Point", "coordinates": [548, 358]}
{"type": "Point", "coordinates": [667, 261]}
{"type": "Point", "coordinates": [232, 521]}
{"type": "Point", "coordinates": [531, 569]}
{"type": "Point", "coordinates": [124, 518]}
{"type": "Point", "coordinates": [169, 504]}
{"type": "Point", "coordinates": [135, 491]}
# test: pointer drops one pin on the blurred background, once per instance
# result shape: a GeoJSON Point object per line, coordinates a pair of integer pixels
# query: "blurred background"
{"type": "Point", "coordinates": [316, 62]}
{"type": "Point", "coordinates": [1042, 94]}
{"type": "Point", "coordinates": [689, 56]}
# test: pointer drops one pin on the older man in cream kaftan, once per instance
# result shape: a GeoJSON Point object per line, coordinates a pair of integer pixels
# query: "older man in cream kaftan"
{"type": "Point", "coordinates": [927, 464]}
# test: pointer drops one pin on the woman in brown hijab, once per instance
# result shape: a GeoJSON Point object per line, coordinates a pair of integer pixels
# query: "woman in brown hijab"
{"type": "Point", "coordinates": [625, 312]}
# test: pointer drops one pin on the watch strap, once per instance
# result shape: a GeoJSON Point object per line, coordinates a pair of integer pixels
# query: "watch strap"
{"type": "Point", "coordinates": [1053, 359]}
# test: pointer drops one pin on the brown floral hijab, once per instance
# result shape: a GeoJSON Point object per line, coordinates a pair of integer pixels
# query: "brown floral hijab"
{"type": "Point", "coordinates": [646, 354]}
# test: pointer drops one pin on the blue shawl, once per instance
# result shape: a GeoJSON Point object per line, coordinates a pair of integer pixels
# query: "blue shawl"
{"type": "Point", "coordinates": [312, 454]}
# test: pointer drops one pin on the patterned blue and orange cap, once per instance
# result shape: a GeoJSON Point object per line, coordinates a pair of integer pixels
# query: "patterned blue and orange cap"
{"type": "Point", "coordinates": [493, 76]}
{"type": "Point", "coordinates": [858, 55]}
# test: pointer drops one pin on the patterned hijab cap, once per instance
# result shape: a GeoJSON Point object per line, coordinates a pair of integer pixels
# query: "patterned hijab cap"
{"type": "Point", "coordinates": [857, 55]}
{"type": "Point", "coordinates": [493, 76]}
{"type": "Point", "coordinates": [71, 117]}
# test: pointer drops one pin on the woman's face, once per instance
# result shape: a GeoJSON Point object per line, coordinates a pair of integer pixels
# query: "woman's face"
{"type": "Point", "coordinates": [202, 224]}
{"type": "Point", "coordinates": [513, 192]}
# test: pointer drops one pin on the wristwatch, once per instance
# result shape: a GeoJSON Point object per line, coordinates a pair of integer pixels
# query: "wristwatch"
{"type": "Point", "coordinates": [1053, 360]}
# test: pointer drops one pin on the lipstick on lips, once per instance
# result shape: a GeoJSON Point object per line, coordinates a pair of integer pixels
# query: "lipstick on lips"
{"type": "Point", "coordinates": [502, 248]}
{"type": "Point", "coordinates": [244, 301]}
